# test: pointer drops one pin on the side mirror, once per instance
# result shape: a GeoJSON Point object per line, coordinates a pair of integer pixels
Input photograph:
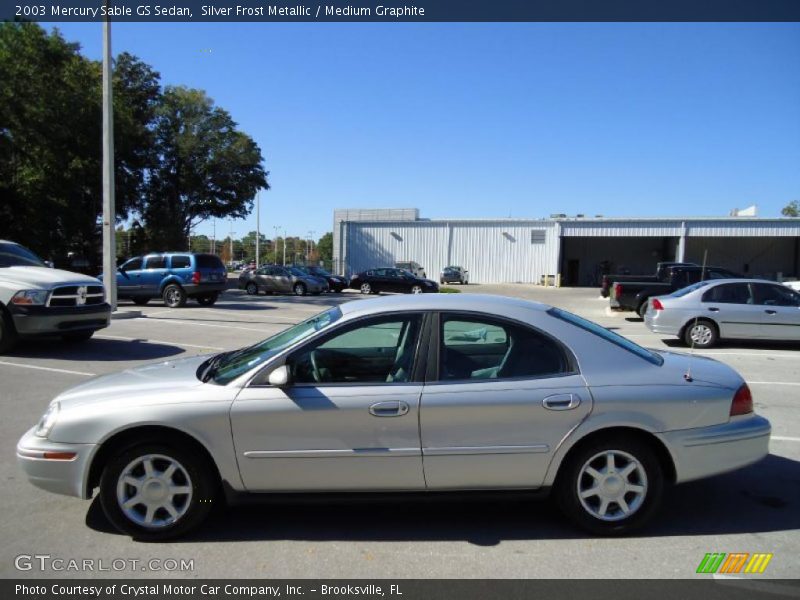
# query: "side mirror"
{"type": "Point", "coordinates": [279, 377]}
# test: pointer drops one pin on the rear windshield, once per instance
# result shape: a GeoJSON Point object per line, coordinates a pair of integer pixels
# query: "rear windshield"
{"type": "Point", "coordinates": [607, 335]}
{"type": "Point", "coordinates": [209, 261]}
{"type": "Point", "coordinates": [14, 255]}
{"type": "Point", "coordinates": [688, 289]}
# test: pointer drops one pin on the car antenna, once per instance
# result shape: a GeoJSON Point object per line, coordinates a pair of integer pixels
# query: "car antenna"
{"type": "Point", "coordinates": [688, 375]}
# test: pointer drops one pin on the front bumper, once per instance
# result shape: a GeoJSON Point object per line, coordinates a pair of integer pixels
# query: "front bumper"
{"type": "Point", "coordinates": [47, 320]}
{"type": "Point", "coordinates": [59, 476]}
{"type": "Point", "coordinates": [708, 451]}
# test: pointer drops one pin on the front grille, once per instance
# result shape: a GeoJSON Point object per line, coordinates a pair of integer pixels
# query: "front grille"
{"type": "Point", "coordinates": [77, 295]}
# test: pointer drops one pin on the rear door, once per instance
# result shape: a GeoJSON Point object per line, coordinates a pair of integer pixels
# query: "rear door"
{"type": "Point", "coordinates": [503, 398]}
{"type": "Point", "coordinates": [780, 311]}
{"type": "Point", "coordinates": [282, 280]}
{"type": "Point", "coordinates": [732, 306]}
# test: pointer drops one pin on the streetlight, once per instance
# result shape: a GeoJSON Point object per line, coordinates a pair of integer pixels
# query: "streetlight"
{"type": "Point", "coordinates": [275, 244]}
{"type": "Point", "coordinates": [258, 226]}
{"type": "Point", "coordinates": [109, 211]}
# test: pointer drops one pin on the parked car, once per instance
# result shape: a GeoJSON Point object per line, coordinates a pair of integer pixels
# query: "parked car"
{"type": "Point", "coordinates": [435, 393]}
{"type": "Point", "coordinates": [608, 280]}
{"type": "Point", "coordinates": [376, 281]}
{"type": "Point", "coordinates": [708, 311]}
{"type": "Point", "coordinates": [38, 300]}
{"type": "Point", "coordinates": [414, 268]}
{"type": "Point", "coordinates": [633, 295]}
{"type": "Point", "coordinates": [172, 276]}
{"type": "Point", "coordinates": [273, 279]}
{"type": "Point", "coordinates": [454, 274]}
{"type": "Point", "coordinates": [336, 283]}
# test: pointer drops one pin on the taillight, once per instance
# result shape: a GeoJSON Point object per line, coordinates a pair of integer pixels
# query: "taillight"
{"type": "Point", "coordinates": [657, 304]}
{"type": "Point", "coordinates": [742, 401]}
{"type": "Point", "coordinates": [196, 277]}
{"type": "Point", "coordinates": [618, 291]}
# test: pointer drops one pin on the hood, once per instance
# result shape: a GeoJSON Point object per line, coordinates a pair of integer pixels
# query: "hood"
{"type": "Point", "coordinates": [43, 277]}
{"type": "Point", "coordinates": [702, 368]}
{"type": "Point", "coordinates": [164, 378]}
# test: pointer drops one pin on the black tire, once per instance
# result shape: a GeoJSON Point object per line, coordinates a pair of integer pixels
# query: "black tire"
{"type": "Point", "coordinates": [573, 476]}
{"type": "Point", "coordinates": [702, 332]}
{"type": "Point", "coordinates": [366, 288]}
{"type": "Point", "coordinates": [251, 288]}
{"type": "Point", "coordinates": [174, 296]}
{"type": "Point", "coordinates": [8, 333]}
{"type": "Point", "coordinates": [77, 336]}
{"type": "Point", "coordinates": [642, 310]}
{"type": "Point", "coordinates": [202, 481]}
{"type": "Point", "coordinates": [208, 299]}
{"type": "Point", "coordinates": [416, 289]}
{"type": "Point", "coordinates": [140, 301]}
{"type": "Point", "coordinates": [299, 289]}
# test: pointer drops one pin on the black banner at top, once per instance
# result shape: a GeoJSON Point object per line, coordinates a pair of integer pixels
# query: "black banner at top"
{"type": "Point", "coordinates": [399, 10]}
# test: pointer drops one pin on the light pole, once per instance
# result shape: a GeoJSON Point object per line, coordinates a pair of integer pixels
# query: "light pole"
{"type": "Point", "coordinates": [275, 243]}
{"type": "Point", "coordinates": [258, 227]}
{"type": "Point", "coordinates": [109, 211]}
{"type": "Point", "coordinates": [284, 247]}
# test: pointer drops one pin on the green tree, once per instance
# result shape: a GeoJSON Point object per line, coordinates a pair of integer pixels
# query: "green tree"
{"type": "Point", "coordinates": [325, 248]}
{"type": "Point", "coordinates": [792, 209]}
{"type": "Point", "coordinates": [206, 167]}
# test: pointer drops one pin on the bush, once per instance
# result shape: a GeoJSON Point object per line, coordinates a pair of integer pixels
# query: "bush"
{"type": "Point", "coordinates": [449, 290]}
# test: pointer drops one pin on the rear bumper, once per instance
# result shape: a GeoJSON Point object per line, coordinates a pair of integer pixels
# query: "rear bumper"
{"type": "Point", "coordinates": [46, 320]}
{"type": "Point", "coordinates": [66, 477]}
{"type": "Point", "coordinates": [708, 451]}
{"type": "Point", "coordinates": [201, 289]}
{"type": "Point", "coordinates": [656, 326]}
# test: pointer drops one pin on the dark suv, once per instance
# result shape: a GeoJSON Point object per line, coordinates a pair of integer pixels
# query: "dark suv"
{"type": "Point", "coordinates": [173, 276]}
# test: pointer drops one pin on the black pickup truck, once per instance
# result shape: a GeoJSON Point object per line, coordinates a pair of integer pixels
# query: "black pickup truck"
{"type": "Point", "coordinates": [660, 276]}
{"type": "Point", "coordinates": [633, 295]}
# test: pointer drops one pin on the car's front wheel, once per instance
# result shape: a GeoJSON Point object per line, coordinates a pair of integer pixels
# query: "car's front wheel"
{"type": "Point", "coordinates": [700, 334]}
{"type": "Point", "coordinates": [8, 334]}
{"type": "Point", "coordinates": [299, 289]}
{"type": "Point", "coordinates": [174, 296]}
{"type": "Point", "coordinates": [610, 486]}
{"type": "Point", "coordinates": [157, 491]}
{"type": "Point", "coordinates": [252, 289]}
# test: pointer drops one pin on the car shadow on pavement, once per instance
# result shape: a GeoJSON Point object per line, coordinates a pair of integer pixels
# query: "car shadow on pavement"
{"type": "Point", "coordinates": [95, 350]}
{"type": "Point", "coordinates": [761, 498]}
{"type": "Point", "coordinates": [740, 344]}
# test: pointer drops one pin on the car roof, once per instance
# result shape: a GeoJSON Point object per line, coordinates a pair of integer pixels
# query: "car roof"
{"type": "Point", "coordinates": [485, 303]}
{"type": "Point", "coordinates": [739, 280]}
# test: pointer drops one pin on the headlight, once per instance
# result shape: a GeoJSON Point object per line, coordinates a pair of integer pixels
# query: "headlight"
{"type": "Point", "coordinates": [30, 297]}
{"type": "Point", "coordinates": [48, 419]}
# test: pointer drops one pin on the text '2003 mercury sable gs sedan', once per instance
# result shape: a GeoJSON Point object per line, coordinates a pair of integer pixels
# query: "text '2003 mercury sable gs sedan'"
{"type": "Point", "coordinates": [417, 393]}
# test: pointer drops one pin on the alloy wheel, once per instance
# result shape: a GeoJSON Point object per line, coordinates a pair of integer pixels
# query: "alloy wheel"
{"type": "Point", "coordinates": [154, 491]}
{"type": "Point", "coordinates": [612, 485]}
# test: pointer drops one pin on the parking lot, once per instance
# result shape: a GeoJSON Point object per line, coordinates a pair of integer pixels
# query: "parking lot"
{"type": "Point", "coordinates": [753, 510]}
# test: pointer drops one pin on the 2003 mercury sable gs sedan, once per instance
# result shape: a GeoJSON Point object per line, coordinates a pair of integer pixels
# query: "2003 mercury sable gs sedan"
{"type": "Point", "coordinates": [421, 393]}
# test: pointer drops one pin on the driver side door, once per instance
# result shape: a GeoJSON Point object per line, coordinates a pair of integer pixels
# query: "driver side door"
{"type": "Point", "coordinates": [349, 418]}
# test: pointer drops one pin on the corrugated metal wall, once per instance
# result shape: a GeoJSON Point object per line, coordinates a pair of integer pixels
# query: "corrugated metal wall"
{"type": "Point", "coordinates": [493, 252]}
{"type": "Point", "coordinates": [620, 228]}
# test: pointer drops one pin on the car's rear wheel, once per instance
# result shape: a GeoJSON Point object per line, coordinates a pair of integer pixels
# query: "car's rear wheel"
{"type": "Point", "coordinates": [366, 288]}
{"type": "Point", "coordinates": [140, 301]}
{"type": "Point", "coordinates": [251, 288]}
{"type": "Point", "coordinates": [207, 300]}
{"type": "Point", "coordinates": [416, 289]}
{"type": "Point", "coordinates": [156, 491]}
{"type": "Point", "coordinates": [642, 310]}
{"type": "Point", "coordinates": [8, 334]}
{"type": "Point", "coordinates": [77, 336]}
{"type": "Point", "coordinates": [174, 296]}
{"type": "Point", "coordinates": [700, 334]}
{"type": "Point", "coordinates": [610, 486]}
{"type": "Point", "coordinates": [299, 289]}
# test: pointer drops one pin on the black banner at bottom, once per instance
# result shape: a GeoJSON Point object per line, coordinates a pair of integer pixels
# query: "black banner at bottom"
{"type": "Point", "coordinates": [400, 589]}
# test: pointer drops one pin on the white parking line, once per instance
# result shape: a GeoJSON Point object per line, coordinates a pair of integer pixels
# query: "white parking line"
{"type": "Point", "coordinates": [197, 324]}
{"type": "Point", "coordinates": [783, 438]}
{"type": "Point", "coordinates": [149, 341]}
{"type": "Point", "coordinates": [68, 372]}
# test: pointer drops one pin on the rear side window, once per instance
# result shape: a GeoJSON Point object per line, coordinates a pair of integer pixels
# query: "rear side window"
{"type": "Point", "coordinates": [155, 262]}
{"type": "Point", "coordinates": [181, 262]}
{"type": "Point", "coordinates": [208, 261]}
{"type": "Point", "coordinates": [607, 335]}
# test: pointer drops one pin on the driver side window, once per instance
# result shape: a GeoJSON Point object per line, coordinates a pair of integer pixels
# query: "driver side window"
{"type": "Point", "coordinates": [376, 351]}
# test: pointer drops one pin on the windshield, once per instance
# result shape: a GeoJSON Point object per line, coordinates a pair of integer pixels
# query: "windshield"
{"type": "Point", "coordinates": [607, 335]}
{"type": "Point", "coordinates": [14, 255]}
{"type": "Point", "coordinates": [319, 271]}
{"type": "Point", "coordinates": [234, 364]}
{"type": "Point", "coordinates": [296, 271]}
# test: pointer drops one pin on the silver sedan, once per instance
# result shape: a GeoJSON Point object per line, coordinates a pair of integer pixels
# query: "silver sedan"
{"type": "Point", "coordinates": [706, 312]}
{"type": "Point", "coordinates": [423, 393]}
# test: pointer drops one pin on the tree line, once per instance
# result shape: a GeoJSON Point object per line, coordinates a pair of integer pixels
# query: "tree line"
{"type": "Point", "coordinates": [179, 158]}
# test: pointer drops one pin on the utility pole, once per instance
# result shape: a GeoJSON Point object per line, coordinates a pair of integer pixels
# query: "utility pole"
{"type": "Point", "coordinates": [284, 247]}
{"type": "Point", "coordinates": [231, 236]}
{"type": "Point", "coordinates": [258, 227]}
{"type": "Point", "coordinates": [109, 210]}
{"type": "Point", "coordinates": [214, 239]}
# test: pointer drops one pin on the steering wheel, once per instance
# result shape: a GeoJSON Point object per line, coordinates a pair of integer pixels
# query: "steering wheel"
{"type": "Point", "coordinates": [314, 369]}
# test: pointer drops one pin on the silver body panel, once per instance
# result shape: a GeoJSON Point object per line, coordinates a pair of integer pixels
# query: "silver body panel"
{"type": "Point", "coordinates": [472, 434]}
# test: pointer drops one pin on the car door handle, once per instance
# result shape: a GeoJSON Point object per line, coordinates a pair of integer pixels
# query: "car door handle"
{"type": "Point", "coordinates": [388, 409]}
{"type": "Point", "coordinates": [771, 312]}
{"type": "Point", "coordinates": [561, 401]}
{"type": "Point", "coordinates": [714, 309]}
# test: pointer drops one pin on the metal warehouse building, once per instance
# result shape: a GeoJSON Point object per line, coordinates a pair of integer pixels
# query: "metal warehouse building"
{"type": "Point", "coordinates": [572, 251]}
